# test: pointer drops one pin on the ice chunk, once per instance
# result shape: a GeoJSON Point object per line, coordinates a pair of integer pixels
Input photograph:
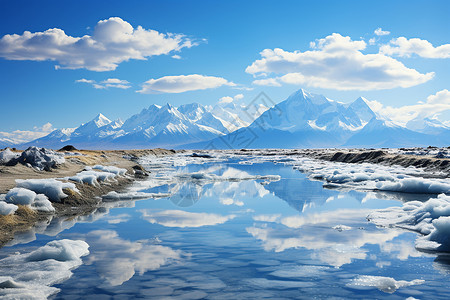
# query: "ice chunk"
{"type": "Point", "coordinates": [7, 155]}
{"type": "Point", "coordinates": [7, 209]}
{"type": "Point", "coordinates": [416, 185]}
{"type": "Point", "coordinates": [34, 273]}
{"type": "Point", "coordinates": [62, 250]}
{"type": "Point", "coordinates": [92, 177]}
{"type": "Point", "coordinates": [41, 203]}
{"type": "Point", "coordinates": [51, 188]}
{"type": "Point", "coordinates": [384, 284]}
{"type": "Point", "coordinates": [110, 169]}
{"type": "Point", "coordinates": [20, 196]}
{"type": "Point", "coordinates": [430, 218]}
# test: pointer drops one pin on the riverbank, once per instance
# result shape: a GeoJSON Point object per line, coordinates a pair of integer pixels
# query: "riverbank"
{"type": "Point", "coordinates": [436, 166]}
{"type": "Point", "coordinates": [84, 198]}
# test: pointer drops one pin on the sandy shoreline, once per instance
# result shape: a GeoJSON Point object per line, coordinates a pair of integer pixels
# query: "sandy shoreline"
{"type": "Point", "coordinates": [75, 204]}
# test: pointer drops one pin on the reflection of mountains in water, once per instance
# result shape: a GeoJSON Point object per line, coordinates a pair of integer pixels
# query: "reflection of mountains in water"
{"type": "Point", "coordinates": [182, 193]}
{"type": "Point", "coordinates": [300, 192]}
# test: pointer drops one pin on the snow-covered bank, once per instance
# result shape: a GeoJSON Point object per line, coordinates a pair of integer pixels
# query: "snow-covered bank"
{"type": "Point", "coordinates": [77, 184]}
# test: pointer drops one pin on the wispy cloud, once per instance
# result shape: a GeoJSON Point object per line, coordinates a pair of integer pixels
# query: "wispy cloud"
{"type": "Point", "coordinates": [107, 83]}
{"type": "Point", "coordinates": [404, 47]}
{"type": "Point", "coordinates": [112, 42]}
{"type": "Point", "coordinates": [335, 62]}
{"type": "Point", "coordinates": [182, 83]}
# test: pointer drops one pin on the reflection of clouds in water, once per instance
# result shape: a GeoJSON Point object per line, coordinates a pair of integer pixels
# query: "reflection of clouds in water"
{"type": "Point", "coordinates": [117, 260]}
{"type": "Point", "coordinates": [232, 192]}
{"type": "Point", "coordinates": [231, 185]}
{"type": "Point", "coordinates": [330, 246]}
{"type": "Point", "coordinates": [230, 201]}
{"type": "Point", "coordinates": [180, 218]}
{"type": "Point", "coordinates": [53, 225]}
{"type": "Point", "coordinates": [117, 219]}
{"type": "Point", "coordinates": [402, 250]}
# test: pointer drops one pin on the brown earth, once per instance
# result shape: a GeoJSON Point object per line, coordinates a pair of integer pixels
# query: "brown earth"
{"type": "Point", "coordinates": [76, 203]}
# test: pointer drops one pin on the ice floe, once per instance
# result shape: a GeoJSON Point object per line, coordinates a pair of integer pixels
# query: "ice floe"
{"type": "Point", "coordinates": [430, 218]}
{"type": "Point", "coordinates": [384, 284]}
{"type": "Point", "coordinates": [32, 275]}
{"type": "Point", "coordinates": [180, 218]}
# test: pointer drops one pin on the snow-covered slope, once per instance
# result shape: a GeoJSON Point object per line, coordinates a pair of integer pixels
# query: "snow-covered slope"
{"type": "Point", "coordinates": [306, 120]}
{"type": "Point", "coordinates": [303, 120]}
{"type": "Point", "coordinates": [155, 126]}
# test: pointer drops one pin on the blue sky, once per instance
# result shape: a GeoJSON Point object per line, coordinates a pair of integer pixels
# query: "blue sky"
{"type": "Point", "coordinates": [220, 41]}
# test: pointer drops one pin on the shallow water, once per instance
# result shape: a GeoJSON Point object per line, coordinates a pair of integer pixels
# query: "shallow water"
{"type": "Point", "coordinates": [242, 239]}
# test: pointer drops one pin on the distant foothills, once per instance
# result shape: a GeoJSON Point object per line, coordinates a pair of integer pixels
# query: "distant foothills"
{"type": "Point", "coordinates": [303, 120]}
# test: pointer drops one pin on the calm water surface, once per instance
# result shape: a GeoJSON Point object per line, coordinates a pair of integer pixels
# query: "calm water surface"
{"type": "Point", "coordinates": [242, 239]}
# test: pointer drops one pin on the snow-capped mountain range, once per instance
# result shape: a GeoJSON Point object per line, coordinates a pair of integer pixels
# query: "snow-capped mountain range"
{"type": "Point", "coordinates": [303, 120]}
{"type": "Point", "coordinates": [156, 126]}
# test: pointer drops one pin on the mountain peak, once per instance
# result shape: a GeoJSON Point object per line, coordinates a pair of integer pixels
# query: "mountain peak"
{"type": "Point", "coordinates": [100, 120]}
{"type": "Point", "coordinates": [154, 106]}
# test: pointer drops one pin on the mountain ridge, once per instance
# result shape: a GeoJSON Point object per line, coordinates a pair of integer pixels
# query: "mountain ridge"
{"type": "Point", "coordinates": [303, 120]}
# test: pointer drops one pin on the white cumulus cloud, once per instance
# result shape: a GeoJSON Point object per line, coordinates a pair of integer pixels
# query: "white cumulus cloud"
{"type": "Point", "coordinates": [380, 32]}
{"type": "Point", "coordinates": [229, 99]}
{"type": "Point", "coordinates": [182, 83]}
{"type": "Point", "coordinates": [432, 107]}
{"type": "Point", "coordinates": [113, 41]}
{"type": "Point", "coordinates": [404, 47]}
{"type": "Point", "coordinates": [335, 62]}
